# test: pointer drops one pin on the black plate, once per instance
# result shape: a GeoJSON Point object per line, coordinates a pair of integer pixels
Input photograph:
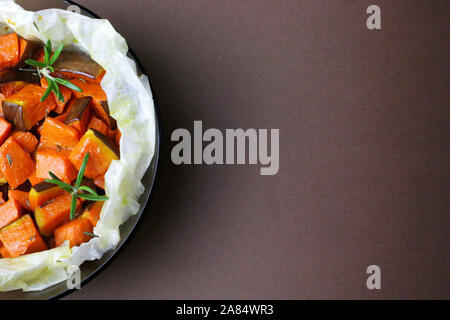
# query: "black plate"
{"type": "Point", "coordinates": [90, 269]}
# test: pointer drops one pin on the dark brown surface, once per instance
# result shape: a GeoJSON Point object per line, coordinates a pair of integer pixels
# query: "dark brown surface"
{"type": "Point", "coordinates": [364, 134]}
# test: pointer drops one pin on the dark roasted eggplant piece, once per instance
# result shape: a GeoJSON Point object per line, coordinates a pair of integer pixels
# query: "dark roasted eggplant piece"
{"type": "Point", "coordinates": [17, 75]}
{"type": "Point", "coordinates": [79, 114]}
{"type": "Point", "coordinates": [77, 64]}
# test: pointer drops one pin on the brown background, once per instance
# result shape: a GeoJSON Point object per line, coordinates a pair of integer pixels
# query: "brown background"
{"type": "Point", "coordinates": [364, 134]}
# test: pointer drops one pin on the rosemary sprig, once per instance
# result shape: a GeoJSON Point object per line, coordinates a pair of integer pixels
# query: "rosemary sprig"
{"type": "Point", "coordinates": [45, 68]}
{"type": "Point", "coordinates": [77, 191]}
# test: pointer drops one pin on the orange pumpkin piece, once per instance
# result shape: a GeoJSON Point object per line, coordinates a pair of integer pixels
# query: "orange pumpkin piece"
{"type": "Point", "coordinates": [24, 109]}
{"type": "Point", "coordinates": [74, 232]}
{"type": "Point", "coordinates": [27, 140]}
{"type": "Point", "coordinates": [9, 88]}
{"type": "Point", "coordinates": [100, 181]}
{"type": "Point", "coordinates": [9, 51]}
{"type": "Point", "coordinates": [102, 127]}
{"type": "Point", "coordinates": [42, 193]}
{"type": "Point", "coordinates": [102, 151]}
{"type": "Point", "coordinates": [21, 237]}
{"type": "Point", "coordinates": [54, 213]}
{"type": "Point", "coordinates": [15, 163]}
{"type": "Point", "coordinates": [34, 180]}
{"type": "Point", "coordinates": [66, 93]}
{"type": "Point", "coordinates": [118, 136]}
{"type": "Point", "coordinates": [5, 129]}
{"type": "Point", "coordinates": [58, 136]}
{"type": "Point", "coordinates": [92, 212]}
{"type": "Point", "coordinates": [9, 212]}
{"type": "Point", "coordinates": [100, 105]}
{"type": "Point", "coordinates": [21, 197]}
{"type": "Point", "coordinates": [54, 161]}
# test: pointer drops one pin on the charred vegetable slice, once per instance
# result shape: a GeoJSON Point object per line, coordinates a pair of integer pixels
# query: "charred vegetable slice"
{"type": "Point", "coordinates": [102, 152]}
{"type": "Point", "coordinates": [9, 212]}
{"type": "Point", "coordinates": [24, 109]}
{"type": "Point", "coordinates": [29, 49]}
{"type": "Point", "coordinates": [79, 114]}
{"type": "Point", "coordinates": [9, 51]}
{"type": "Point", "coordinates": [42, 193]}
{"type": "Point", "coordinates": [54, 161]}
{"type": "Point", "coordinates": [75, 231]}
{"type": "Point", "coordinates": [15, 163]}
{"type": "Point", "coordinates": [17, 75]}
{"type": "Point", "coordinates": [92, 212]}
{"type": "Point", "coordinates": [21, 237]}
{"type": "Point", "coordinates": [72, 64]}
{"type": "Point", "coordinates": [54, 213]}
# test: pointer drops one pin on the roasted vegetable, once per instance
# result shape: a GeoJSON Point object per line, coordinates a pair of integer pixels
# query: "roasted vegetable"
{"type": "Point", "coordinates": [100, 105]}
{"type": "Point", "coordinates": [54, 161]}
{"type": "Point", "coordinates": [9, 88]}
{"type": "Point", "coordinates": [34, 180]}
{"type": "Point", "coordinates": [100, 181]}
{"type": "Point", "coordinates": [72, 64]}
{"type": "Point", "coordinates": [29, 49]}
{"type": "Point", "coordinates": [102, 127]}
{"type": "Point", "coordinates": [58, 136]}
{"type": "Point", "coordinates": [102, 152]}
{"type": "Point", "coordinates": [92, 212]}
{"type": "Point", "coordinates": [5, 129]}
{"type": "Point", "coordinates": [15, 163]}
{"type": "Point", "coordinates": [9, 51]}
{"type": "Point", "coordinates": [24, 109]}
{"type": "Point", "coordinates": [21, 197]}
{"type": "Point", "coordinates": [21, 237]}
{"type": "Point", "coordinates": [54, 213]}
{"type": "Point", "coordinates": [42, 193]}
{"type": "Point", "coordinates": [17, 75]}
{"type": "Point", "coordinates": [27, 140]}
{"type": "Point", "coordinates": [66, 93]}
{"type": "Point", "coordinates": [9, 212]}
{"type": "Point", "coordinates": [74, 232]}
{"type": "Point", "coordinates": [79, 114]}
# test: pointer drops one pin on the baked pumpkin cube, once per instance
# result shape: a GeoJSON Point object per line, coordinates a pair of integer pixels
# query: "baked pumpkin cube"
{"type": "Point", "coordinates": [15, 163]}
{"type": "Point", "coordinates": [27, 140]}
{"type": "Point", "coordinates": [42, 193]}
{"type": "Point", "coordinates": [21, 197]}
{"type": "Point", "coordinates": [21, 237]}
{"type": "Point", "coordinates": [54, 161]}
{"type": "Point", "coordinates": [24, 109]}
{"type": "Point", "coordinates": [9, 51]}
{"type": "Point", "coordinates": [92, 212]}
{"type": "Point", "coordinates": [5, 129]}
{"type": "Point", "coordinates": [9, 212]}
{"type": "Point", "coordinates": [102, 151]}
{"type": "Point", "coordinates": [54, 213]}
{"type": "Point", "coordinates": [74, 232]}
{"type": "Point", "coordinates": [58, 136]}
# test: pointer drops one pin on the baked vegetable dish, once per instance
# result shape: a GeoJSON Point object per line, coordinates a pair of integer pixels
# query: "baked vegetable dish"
{"type": "Point", "coordinates": [77, 134]}
{"type": "Point", "coordinates": [57, 140]}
